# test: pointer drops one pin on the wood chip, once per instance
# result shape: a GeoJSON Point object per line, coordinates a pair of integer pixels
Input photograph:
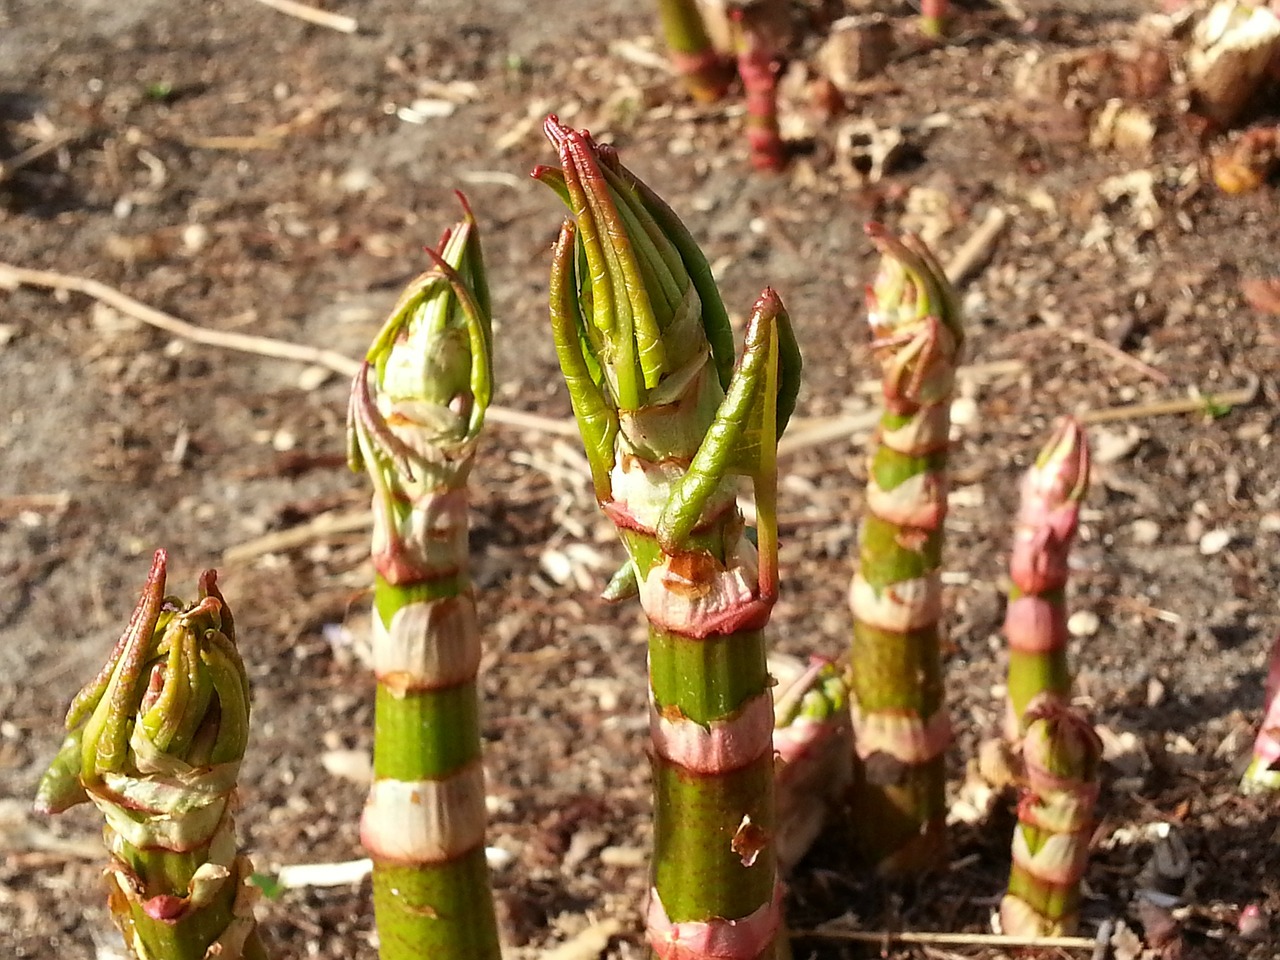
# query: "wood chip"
{"type": "Point", "coordinates": [1262, 293]}
{"type": "Point", "coordinates": [588, 944]}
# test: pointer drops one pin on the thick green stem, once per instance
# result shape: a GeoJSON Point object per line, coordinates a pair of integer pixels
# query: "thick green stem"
{"type": "Point", "coordinates": [155, 742]}
{"type": "Point", "coordinates": [899, 715]}
{"type": "Point", "coordinates": [416, 411]}
{"type": "Point", "coordinates": [664, 436]}
{"type": "Point", "coordinates": [696, 870]}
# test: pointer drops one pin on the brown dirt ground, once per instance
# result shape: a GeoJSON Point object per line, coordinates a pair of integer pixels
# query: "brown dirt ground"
{"type": "Point", "coordinates": [307, 234]}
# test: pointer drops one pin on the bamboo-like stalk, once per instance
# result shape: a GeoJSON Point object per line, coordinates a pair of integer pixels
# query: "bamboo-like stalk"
{"type": "Point", "coordinates": [934, 15]}
{"type": "Point", "coordinates": [901, 728]}
{"type": "Point", "coordinates": [155, 741]}
{"type": "Point", "coordinates": [668, 420]}
{"type": "Point", "coordinates": [1263, 773]}
{"type": "Point", "coordinates": [1061, 754]}
{"type": "Point", "coordinates": [758, 67]}
{"type": "Point", "coordinates": [706, 72]}
{"type": "Point", "coordinates": [1036, 620]}
{"type": "Point", "coordinates": [417, 407]}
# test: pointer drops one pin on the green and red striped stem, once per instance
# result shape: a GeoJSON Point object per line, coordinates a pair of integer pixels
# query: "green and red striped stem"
{"type": "Point", "coordinates": [758, 66]}
{"type": "Point", "coordinates": [812, 748]}
{"type": "Point", "coordinates": [1036, 619]}
{"type": "Point", "coordinates": [417, 407]}
{"type": "Point", "coordinates": [669, 420]}
{"type": "Point", "coordinates": [900, 722]}
{"type": "Point", "coordinates": [706, 71]}
{"type": "Point", "coordinates": [1263, 773]}
{"type": "Point", "coordinates": [1061, 754]}
{"type": "Point", "coordinates": [155, 742]}
{"type": "Point", "coordinates": [934, 17]}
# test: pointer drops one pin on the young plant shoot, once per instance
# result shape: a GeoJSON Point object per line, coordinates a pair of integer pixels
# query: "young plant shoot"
{"type": "Point", "coordinates": [758, 66]}
{"type": "Point", "coordinates": [934, 16]}
{"type": "Point", "coordinates": [813, 744]}
{"type": "Point", "coordinates": [417, 407]}
{"type": "Point", "coordinates": [155, 741]}
{"type": "Point", "coordinates": [1061, 754]}
{"type": "Point", "coordinates": [1263, 773]}
{"type": "Point", "coordinates": [1036, 619]}
{"type": "Point", "coordinates": [670, 420]}
{"type": "Point", "coordinates": [901, 729]}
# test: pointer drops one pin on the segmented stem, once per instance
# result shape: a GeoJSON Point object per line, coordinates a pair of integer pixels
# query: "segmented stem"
{"type": "Point", "coordinates": [416, 411]}
{"type": "Point", "coordinates": [934, 18]}
{"type": "Point", "coordinates": [758, 67]}
{"type": "Point", "coordinates": [1036, 619]}
{"type": "Point", "coordinates": [663, 450]}
{"type": "Point", "coordinates": [900, 722]}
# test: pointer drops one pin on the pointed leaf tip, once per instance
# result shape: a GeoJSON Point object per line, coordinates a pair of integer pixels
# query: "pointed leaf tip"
{"type": "Point", "coordinates": [1063, 465]}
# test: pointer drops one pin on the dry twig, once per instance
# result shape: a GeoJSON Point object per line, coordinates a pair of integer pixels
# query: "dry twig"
{"type": "Point", "coordinates": [321, 18]}
{"type": "Point", "coordinates": [13, 277]}
{"type": "Point", "coordinates": [35, 152]}
{"type": "Point", "coordinates": [318, 528]}
{"type": "Point", "coordinates": [1158, 408]}
{"type": "Point", "coordinates": [1086, 339]}
{"type": "Point", "coordinates": [887, 937]}
{"type": "Point", "coordinates": [270, 139]}
{"type": "Point", "coordinates": [977, 250]}
{"type": "Point", "coordinates": [18, 504]}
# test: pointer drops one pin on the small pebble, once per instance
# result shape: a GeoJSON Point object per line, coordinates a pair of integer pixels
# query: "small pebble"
{"type": "Point", "coordinates": [1083, 623]}
{"type": "Point", "coordinates": [353, 765]}
{"type": "Point", "coordinates": [623, 857]}
{"type": "Point", "coordinates": [1253, 922]}
{"type": "Point", "coordinates": [313, 377]}
{"type": "Point", "coordinates": [964, 411]}
{"type": "Point", "coordinates": [498, 858]}
{"type": "Point", "coordinates": [1215, 541]}
{"type": "Point", "coordinates": [1144, 532]}
{"type": "Point", "coordinates": [1155, 692]}
{"type": "Point", "coordinates": [195, 237]}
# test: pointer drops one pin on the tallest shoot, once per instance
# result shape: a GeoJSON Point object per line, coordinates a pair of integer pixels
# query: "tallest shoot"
{"type": "Point", "coordinates": [670, 420]}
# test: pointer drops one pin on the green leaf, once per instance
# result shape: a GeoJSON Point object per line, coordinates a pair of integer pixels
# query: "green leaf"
{"type": "Point", "coordinates": [271, 887]}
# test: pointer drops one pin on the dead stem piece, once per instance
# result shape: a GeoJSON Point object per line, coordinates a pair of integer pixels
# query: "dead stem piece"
{"type": "Point", "coordinates": [834, 429]}
{"type": "Point", "coordinates": [34, 152]}
{"type": "Point", "coordinates": [12, 277]}
{"type": "Point", "coordinates": [1241, 396]}
{"type": "Point", "coordinates": [1086, 339]}
{"type": "Point", "coordinates": [270, 139]}
{"type": "Point", "coordinates": [18, 504]}
{"type": "Point", "coordinates": [320, 18]}
{"type": "Point", "coordinates": [319, 528]}
{"type": "Point", "coordinates": [887, 937]}
{"type": "Point", "coordinates": [815, 431]}
{"type": "Point", "coordinates": [979, 248]}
